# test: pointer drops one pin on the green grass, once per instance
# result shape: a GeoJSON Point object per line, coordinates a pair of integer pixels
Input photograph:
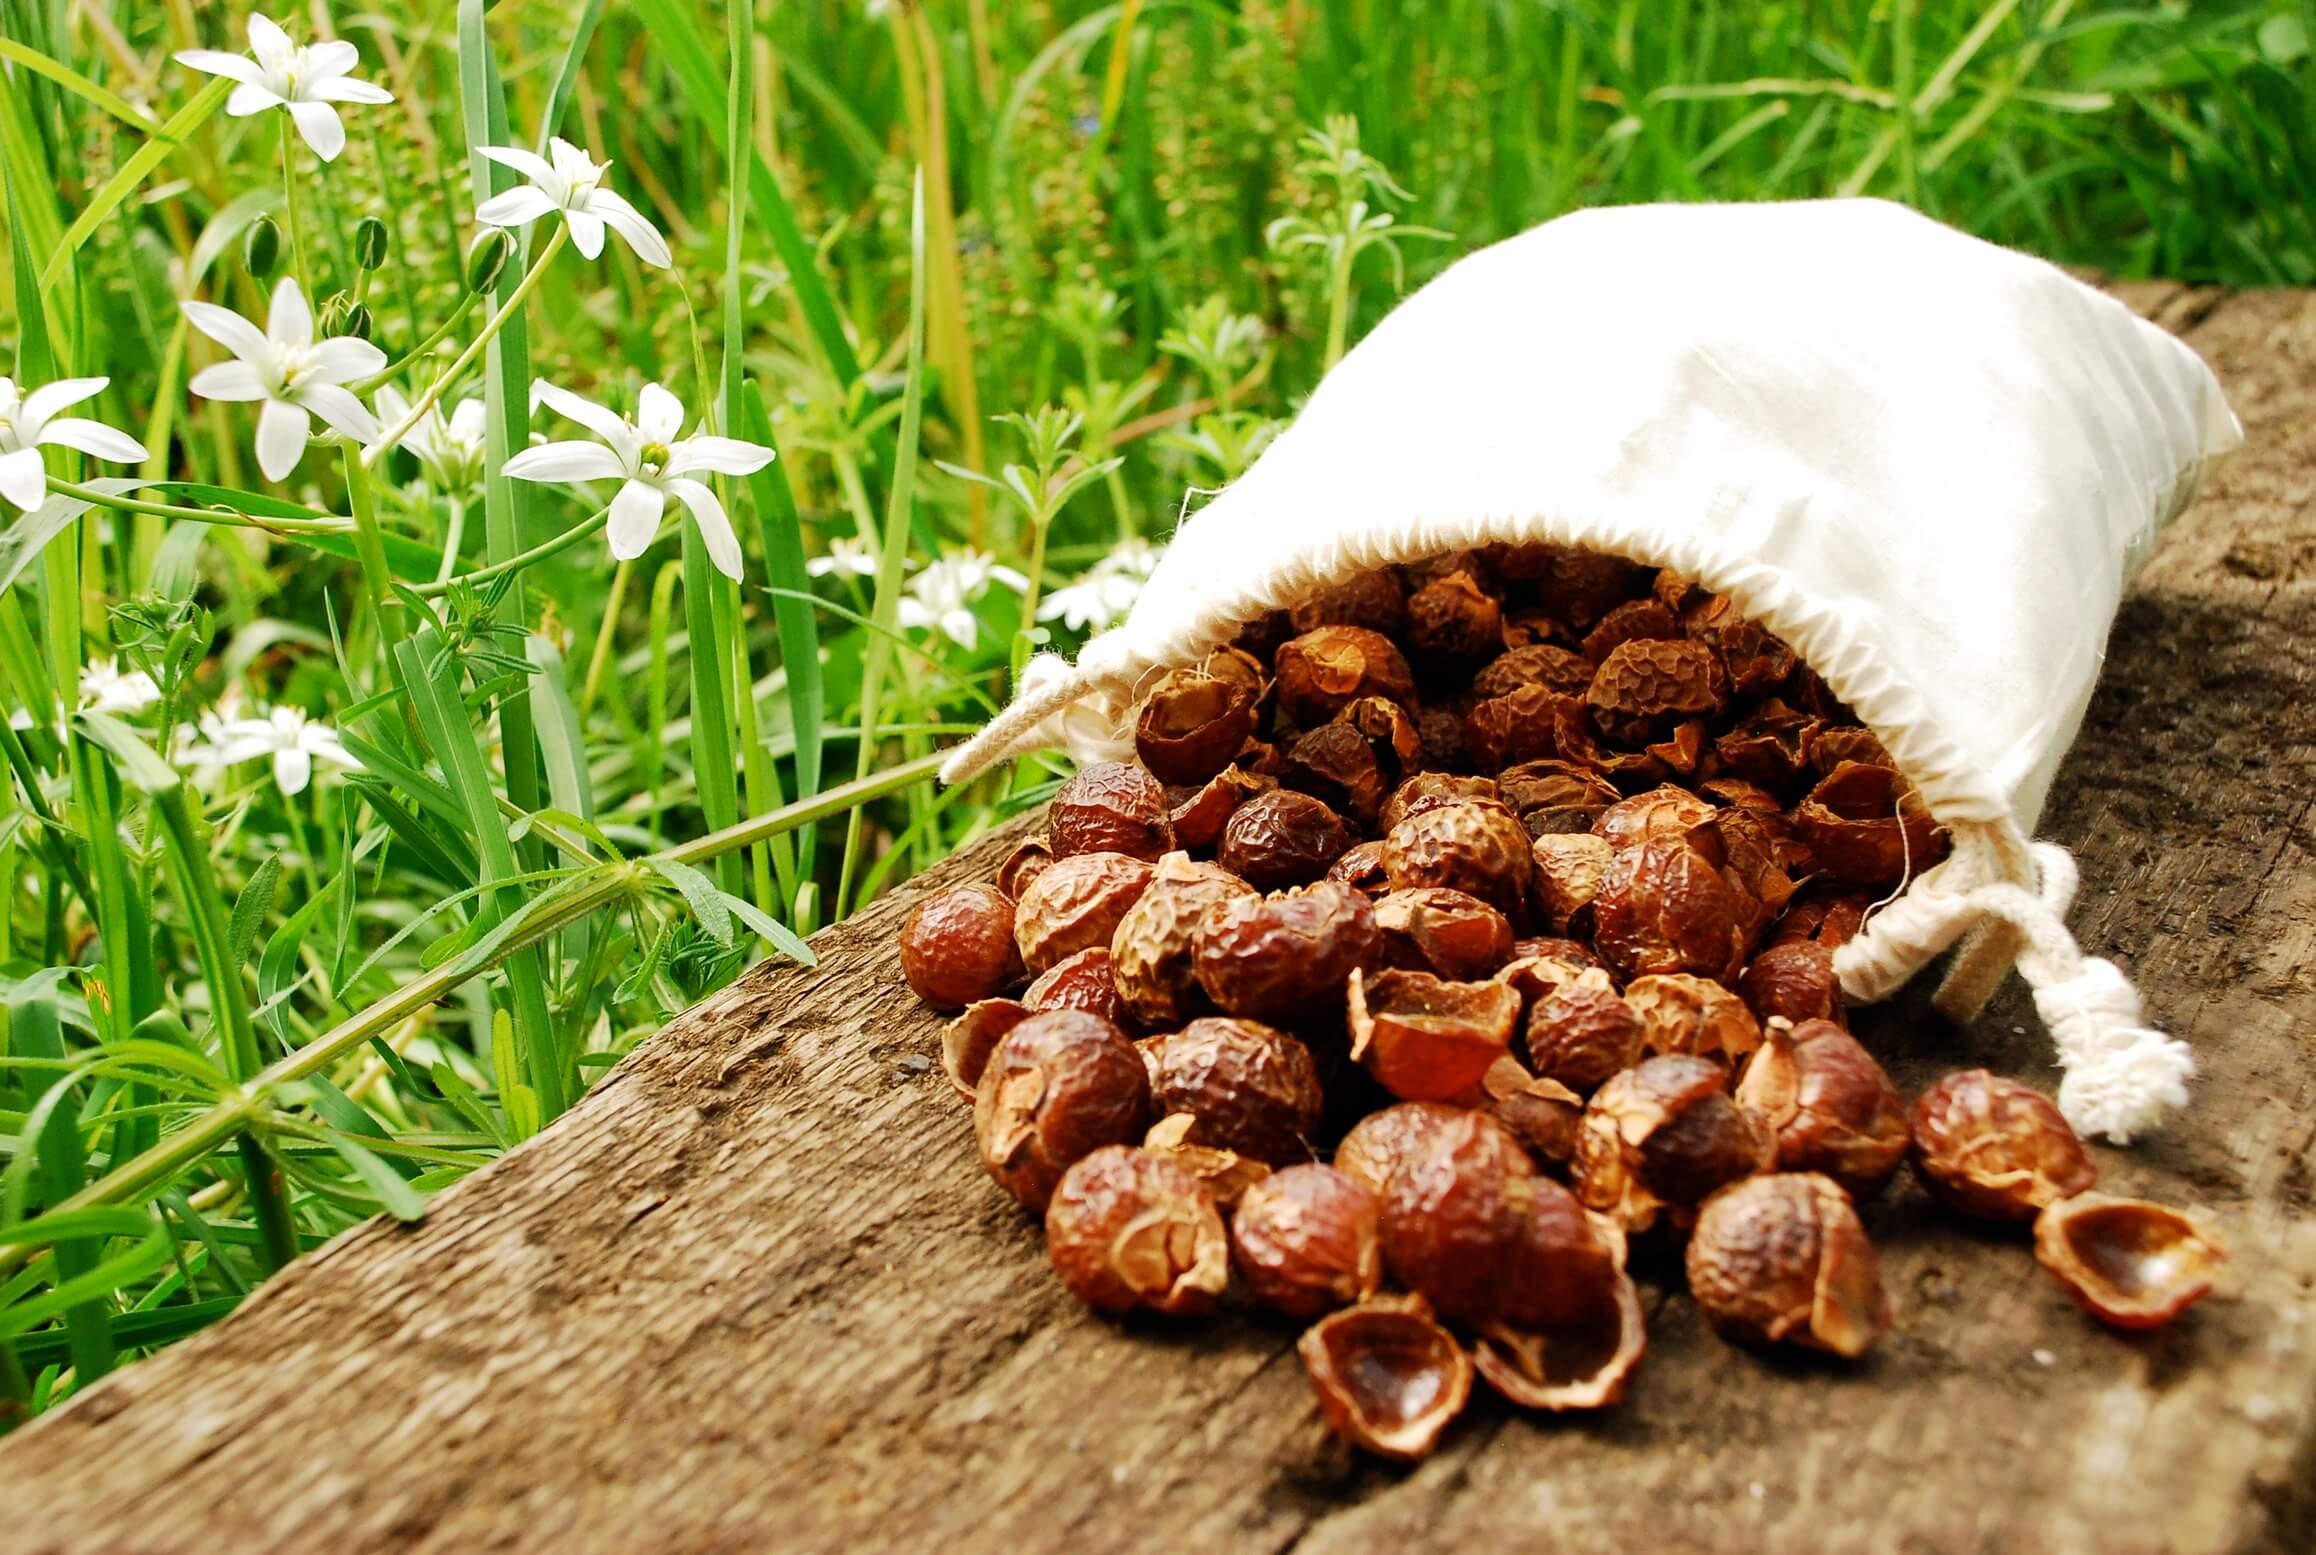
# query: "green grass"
{"type": "Point", "coordinates": [993, 279]}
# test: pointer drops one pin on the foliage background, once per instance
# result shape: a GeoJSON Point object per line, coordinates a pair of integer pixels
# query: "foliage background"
{"type": "Point", "coordinates": [236, 1021]}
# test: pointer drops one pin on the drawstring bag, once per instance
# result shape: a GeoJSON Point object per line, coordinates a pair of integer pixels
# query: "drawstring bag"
{"type": "Point", "coordinates": [1930, 464]}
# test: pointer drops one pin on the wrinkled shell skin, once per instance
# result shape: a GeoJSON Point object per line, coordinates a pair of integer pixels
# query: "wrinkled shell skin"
{"type": "Point", "coordinates": [1354, 762]}
{"type": "Point", "coordinates": [1581, 1363]}
{"type": "Point", "coordinates": [1643, 688]}
{"type": "Point", "coordinates": [1452, 1217]}
{"type": "Point", "coordinates": [1025, 863]}
{"type": "Point", "coordinates": [1542, 1114]}
{"type": "Point", "coordinates": [1569, 870]}
{"type": "Point", "coordinates": [1080, 982]}
{"type": "Point", "coordinates": [1424, 1039]}
{"type": "Point", "coordinates": [1579, 586]}
{"type": "Point", "coordinates": [1995, 1148]}
{"type": "Point", "coordinates": [1283, 839]}
{"type": "Point", "coordinates": [1372, 1148]}
{"type": "Point", "coordinates": [1834, 1108]}
{"type": "Point", "coordinates": [1453, 620]}
{"type": "Point", "coordinates": [1308, 1239]}
{"type": "Point", "coordinates": [1756, 660]}
{"type": "Point", "coordinates": [1794, 981]}
{"type": "Point", "coordinates": [1076, 904]}
{"type": "Point", "coordinates": [1362, 870]}
{"type": "Point", "coordinates": [1200, 814]}
{"type": "Point", "coordinates": [1582, 1033]}
{"type": "Point", "coordinates": [1538, 664]}
{"type": "Point", "coordinates": [1521, 725]}
{"type": "Point", "coordinates": [1150, 954]}
{"type": "Point", "coordinates": [1253, 1090]}
{"type": "Point", "coordinates": [957, 946]}
{"type": "Point", "coordinates": [1192, 725]}
{"type": "Point", "coordinates": [1374, 600]}
{"type": "Point", "coordinates": [1449, 933]}
{"type": "Point", "coordinates": [1129, 1230]}
{"type": "Point", "coordinates": [1285, 957]}
{"type": "Point", "coordinates": [1389, 1378]}
{"type": "Point", "coordinates": [967, 1041]}
{"type": "Point", "coordinates": [1059, 1086]}
{"type": "Point", "coordinates": [1683, 1014]}
{"type": "Point", "coordinates": [1479, 849]}
{"type": "Point", "coordinates": [1663, 907]}
{"type": "Point", "coordinates": [1661, 813]}
{"type": "Point", "coordinates": [1224, 1174]}
{"type": "Point", "coordinates": [1324, 671]}
{"type": "Point", "coordinates": [1433, 791]}
{"type": "Point", "coordinates": [1866, 826]}
{"type": "Point", "coordinates": [1111, 807]}
{"type": "Point", "coordinates": [1783, 1258]}
{"type": "Point", "coordinates": [1665, 1134]}
{"type": "Point", "coordinates": [2127, 1262]}
{"type": "Point", "coordinates": [1636, 620]}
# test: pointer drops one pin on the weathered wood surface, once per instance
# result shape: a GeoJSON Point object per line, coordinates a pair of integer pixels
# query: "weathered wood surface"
{"type": "Point", "coordinates": [754, 1293]}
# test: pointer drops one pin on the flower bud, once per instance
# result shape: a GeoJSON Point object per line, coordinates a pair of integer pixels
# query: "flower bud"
{"type": "Point", "coordinates": [487, 258]}
{"type": "Point", "coordinates": [358, 322]}
{"type": "Point", "coordinates": [261, 249]}
{"type": "Point", "coordinates": [332, 320]}
{"type": "Point", "coordinates": [370, 241]}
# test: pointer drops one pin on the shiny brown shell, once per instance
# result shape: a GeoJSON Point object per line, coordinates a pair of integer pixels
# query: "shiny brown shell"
{"type": "Point", "coordinates": [1783, 1258]}
{"type": "Point", "coordinates": [967, 1041]}
{"type": "Point", "coordinates": [1867, 826]}
{"type": "Point", "coordinates": [1253, 1090]}
{"type": "Point", "coordinates": [1425, 1039]}
{"type": "Point", "coordinates": [1192, 725]}
{"type": "Point", "coordinates": [1477, 848]}
{"type": "Point", "coordinates": [1569, 869]}
{"type": "Point", "coordinates": [1057, 1087]}
{"type": "Point", "coordinates": [1451, 934]}
{"type": "Point", "coordinates": [1388, 1377]}
{"type": "Point", "coordinates": [1281, 839]}
{"type": "Point", "coordinates": [1110, 807]}
{"type": "Point", "coordinates": [1076, 904]}
{"type": "Point", "coordinates": [1152, 948]}
{"type": "Point", "coordinates": [1995, 1148]}
{"type": "Point", "coordinates": [957, 946]}
{"type": "Point", "coordinates": [1663, 906]}
{"type": "Point", "coordinates": [1327, 669]}
{"type": "Point", "coordinates": [1224, 1174]}
{"type": "Point", "coordinates": [1285, 957]}
{"type": "Point", "coordinates": [1432, 791]}
{"type": "Point", "coordinates": [1199, 814]}
{"type": "Point", "coordinates": [1795, 981]}
{"type": "Point", "coordinates": [1644, 687]}
{"type": "Point", "coordinates": [1372, 1148]}
{"type": "Point", "coordinates": [1834, 1108]}
{"type": "Point", "coordinates": [1636, 620]}
{"type": "Point", "coordinates": [2127, 1262]}
{"type": "Point", "coordinates": [1538, 664]}
{"type": "Point", "coordinates": [1582, 1032]}
{"type": "Point", "coordinates": [1453, 620]}
{"type": "Point", "coordinates": [1680, 1013]}
{"type": "Point", "coordinates": [1375, 600]}
{"type": "Point", "coordinates": [1308, 1239]}
{"type": "Point", "coordinates": [1661, 1137]}
{"type": "Point", "coordinates": [1452, 1216]}
{"type": "Point", "coordinates": [1582, 1362]}
{"type": "Point", "coordinates": [1128, 1230]}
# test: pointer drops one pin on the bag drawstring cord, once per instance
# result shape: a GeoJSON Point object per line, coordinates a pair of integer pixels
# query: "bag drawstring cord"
{"type": "Point", "coordinates": [2120, 1076]}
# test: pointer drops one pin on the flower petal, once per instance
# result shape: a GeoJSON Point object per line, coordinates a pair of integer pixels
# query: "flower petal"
{"type": "Point", "coordinates": [715, 525]}
{"type": "Point", "coordinates": [724, 455]}
{"type": "Point", "coordinates": [345, 414]}
{"type": "Point", "coordinates": [571, 164]}
{"type": "Point", "coordinates": [569, 461]}
{"type": "Point", "coordinates": [252, 97]}
{"type": "Point", "coordinates": [630, 224]}
{"type": "Point", "coordinates": [23, 479]}
{"type": "Point", "coordinates": [93, 437]}
{"type": "Point", "coordinates": [963, 627]}
{"type": "Point", "coordinates": [331, 57]}
{"type": "Point", "coordinates": [228, 328]}
{"type": "Point", "coordinates": [293, 769]}
{"type": "Point", "coordinates": [528, 163]}
{"type": "Point", "coordinates": [319, 125]}
{"type": "Point", "coordinates": [659, 415]}
{"type": "Point", "coordinates": [50, 398]}
{"type": "Point", "coordinates": [346, 90]}
{"type": "Point", "coordinates": [635, 518]}
{"type": "Point", "coordinates": [586, 232]}
{"type": "Point", "coordinates": [343, 358]}
{"type": "Point", "coordinates": [595, 418]}
{"type": "Point", "coordinates": [288, 321]}
{"type": "Point", "coordinates": [234, 67]}
{"type": "Point", "coordinates": [229, 381]}
{"type": "Point", "coordinates": [281, 437]}
{"type": "Point", "coordinates": [523, 203]}
{"type": "Point", "coordinates": [269, 43]}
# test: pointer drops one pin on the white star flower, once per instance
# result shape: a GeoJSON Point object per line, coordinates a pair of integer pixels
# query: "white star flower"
{"type": "Point", "coordinates": [29, 422]}
{"type": "Point", "coordinates": [942, 595]}
{"type": "Point", "coordinates": [294, 741]}
{"type": "Point", "coordinates": [651, 464]}
{"type": "Point", "coordinates": [297, 376]}
{"type": "Point", "coordinates": [573, 184]}
{"type": "Point", "coordinates": [450, 450]}
{"type": "Point", "coordinates": [846, 558]}
{"type": "Point", "coordinates": [1105, 592]}
{"type": "Point", "coordinates": [303, 78]}
{"type": "Point", "coordinates": [104, 689]}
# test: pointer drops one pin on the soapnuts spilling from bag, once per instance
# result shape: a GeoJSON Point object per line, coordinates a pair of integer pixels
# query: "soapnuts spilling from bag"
{"type": "Point", "coordinates": [1450, 931]}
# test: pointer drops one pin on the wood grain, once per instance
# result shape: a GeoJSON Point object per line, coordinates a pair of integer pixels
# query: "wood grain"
{"type": "Point", "coordinates": [754, 1293]}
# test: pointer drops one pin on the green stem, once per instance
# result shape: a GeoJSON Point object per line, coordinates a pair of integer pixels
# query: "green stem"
{"type": "Point", "coordinates": [521, 559]}
{"type": "Point", "coordinates": [269, 1202]}
{"type": "Point", "coordinates": [1338, 309]}
{"type": "Point", "coordinates": [289, 195]}
{"type": "Point", "coordinates": [388, 373]}
{"type": "Point", "coordinates": [600, 660]}
{"type": "Point", "coordinates": [289, 527]}
{"type": "Point", "coordinates": [497, 321]}
{"type": "Point", "coordinates": [370, 548]}
{"type": "Point", "coordinates": [454, 536]}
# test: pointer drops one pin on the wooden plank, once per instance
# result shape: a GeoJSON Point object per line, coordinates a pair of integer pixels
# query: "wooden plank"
{"type": "Point", "coordinates": [754, 1293]}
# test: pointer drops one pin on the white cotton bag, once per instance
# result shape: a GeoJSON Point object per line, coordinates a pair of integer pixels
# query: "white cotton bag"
{"type": "Point", "coordinates": [1928, 463]}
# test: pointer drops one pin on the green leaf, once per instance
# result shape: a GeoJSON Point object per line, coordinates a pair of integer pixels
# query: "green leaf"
{"type": "Point", "coordinates": [783, 938]}
{"type": "Point", "coordinates": [138, 764]}
{"type": "Point", "coordinates": [133, 172]}
{"type": "Point", "coordinates": [393, 1189]}
{"type": "Point", "coordinates": [700, 893]}
{"type": "Point", "coordinates": [250, 908]}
